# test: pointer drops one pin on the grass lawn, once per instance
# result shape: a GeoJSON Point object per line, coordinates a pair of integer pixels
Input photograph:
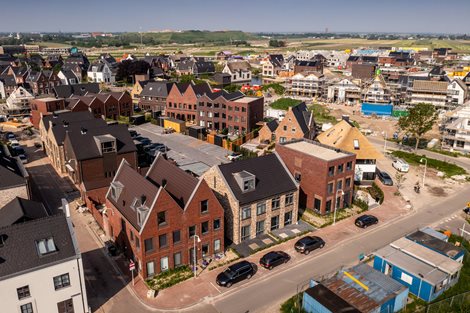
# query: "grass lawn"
{"type": "Point", "coordinates": [445, 167]}
{"type": "Point", "coordinates": [322, 114]}
{"type": "Point", "coordinates": [284, 103]}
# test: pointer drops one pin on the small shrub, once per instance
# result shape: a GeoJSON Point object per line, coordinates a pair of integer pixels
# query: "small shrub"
{"type": "Point", "coordinates": [361, 204]}
{"type": "Point", "coordinates": [376, 193]}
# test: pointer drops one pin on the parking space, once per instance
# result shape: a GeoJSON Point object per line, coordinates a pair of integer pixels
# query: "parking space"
{"type": "Point", "coordinates": [185, 147]}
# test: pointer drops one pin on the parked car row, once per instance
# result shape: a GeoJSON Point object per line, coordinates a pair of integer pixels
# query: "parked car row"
{"type": "Point", "coordinates": [148, 149]}
{"type": "Point", "coordinates": [15, 148]}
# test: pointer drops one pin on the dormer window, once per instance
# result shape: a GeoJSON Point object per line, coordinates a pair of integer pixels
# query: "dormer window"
{"type": "Point", "coordinates": [46, 246]}
{"type": "Point", "coordinates": [116, 188]}
{"type": "Point", "coordinates": [248, 185]}
{"type": "Point", "coordinates": [246, 181]}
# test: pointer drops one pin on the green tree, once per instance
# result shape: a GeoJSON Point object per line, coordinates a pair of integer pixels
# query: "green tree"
{"type": "Point", "coordinates": [419, 121]}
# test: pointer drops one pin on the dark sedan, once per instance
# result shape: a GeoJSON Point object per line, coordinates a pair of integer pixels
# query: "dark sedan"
{"type": "Point", "coordinates": [235, 273]}
{"type": "Point", "coordinates": [308, 244]}
{"type": "Point", "coordinates": [274, 258]}
{"type": "Point", "coordinates": [384, 178]}
{"type": "Point", "coordinates": [365, 221]}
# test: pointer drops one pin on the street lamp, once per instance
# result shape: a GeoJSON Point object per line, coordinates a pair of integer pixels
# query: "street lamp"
{"type": "Point", "coordinates": [195, 253]}
{"type": "Point", "coordinates": [385, 141]}
{"type": "Point", "coordinates": [336, 203]}
{"type": "Point", "coordinates": [425, 166]}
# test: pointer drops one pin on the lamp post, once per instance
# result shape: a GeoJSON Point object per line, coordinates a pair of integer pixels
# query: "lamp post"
{"type": "Point", "coordinates": [425, 166]}
{"type": "Point", "coordinates": [195, 253]}
{"type": "Point", "coordinates": [336, 203]}
{"type": "Point", "coordinates": [385, 141]}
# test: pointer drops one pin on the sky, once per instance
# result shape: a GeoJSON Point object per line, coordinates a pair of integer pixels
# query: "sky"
{"type": "Point", "coordinates": [402, 16]}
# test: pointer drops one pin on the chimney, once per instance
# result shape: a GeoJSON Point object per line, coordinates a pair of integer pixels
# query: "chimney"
{"type": "Point", "coordinates": [83, 130]}
{"type": "Point", "coordinates": [345, 118]}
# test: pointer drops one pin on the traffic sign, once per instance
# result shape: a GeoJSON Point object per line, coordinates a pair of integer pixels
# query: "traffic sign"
{"type": "Point", "coordinates": [131, 266]}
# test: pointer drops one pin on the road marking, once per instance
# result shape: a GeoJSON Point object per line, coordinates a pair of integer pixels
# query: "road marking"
{"type": "Point", "coordinates": [215, 287]}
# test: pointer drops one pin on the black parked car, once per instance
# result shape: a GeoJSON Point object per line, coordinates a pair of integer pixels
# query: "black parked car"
{"type": "Point", "coordinates": [144, 140]}
{"type": "Point", "coordinates": [309, 243]}
{"type": "Point", "coordinates": [384, 178]}
{"type": "Point", "coordinates": [274, 258]}
{"type": "Point", "coordinates": [235, 273]}
{"type": "Point", "coordinates": [365, 221]}
{"type": "Point", "coordinates": [133, 133]}
{"type": "Point", "coordinates": [467, 210]}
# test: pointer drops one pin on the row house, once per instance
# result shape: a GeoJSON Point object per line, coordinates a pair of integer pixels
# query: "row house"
{"type": "Point", "coordinates": [346, 137]}
{"type": "Point", "coordinates": [239, 71]}
{"type": "Point", "coordinates": [14, 179]}
{"type": "Point", "coordinates": [196, 67]}
{"type": "Point", "coordinates": [111, 105]}
{"type": "Point", "coordinates": [78, 63]}
{"type": "Point", "coordinates": [92, 169]}
{"type": "Point", "coordinates": [361, 59]}
{"type": "Point", "coordinates": [101, 72]}
{"type": "Point", "coordinates": [182, 100]}
{"type": "Point", "coordinates": [258, 195]}
{"type": "Point", "coordinates": [159, 217]}
{"type": "Point", "coordinates": [456, 132]}
{"type": "Point", "coordinates": [67, 91]}
{"type": "Point", "coordinates": [436, 93]}
{"type": "Point", "coordinates": [19, 73]}
{"type": "Point", "coordinates": [297, 123]}
{"type": "Point", "coordinates": [377, 92]}
{"type": "Point", "coordinates": [68, 77]}
{"type": "Point", "coordinates": [232, 111]}
{"type": "Point", "coordinates": [19, 101]}
{"type": "Point", "coordinates": [364, 72]}
{"type": "Point", "coordinates": [344, 91]}
{"type": "Point", "coordinates": [273, 65]}
{"type": "Point", "coordinates": [307, 84]}
{"type": "Point", "coordinates": [43, 82]}
{"type": "Point", "coordinates": [44, 106]}
{"type": "Point", "coordinates": [153, 97]}
{"type": "Point", "coordinates": [7, 85]}
{"type": "Point", "coordinates": [325, 174]}
{"type": "Point", "coordinates": [308, 66]}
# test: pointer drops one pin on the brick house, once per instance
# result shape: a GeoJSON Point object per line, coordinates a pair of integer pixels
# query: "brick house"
{"type": "Point", "coordinates": [92, 157]}
{"type": "Point", "coordinates": [182, 100]}
{"type": "Point", "coordinates": [108, 104]}
{"type": "Point", "coordinates": [154, 96]}
{"type": "Point", "coordinates": [44, 106]}
{"type": "Point", "coordinates": [43, 82]}
{"type": "Point", "coordinates": [267, 133]}
{"type": "Point", "coordinates": [298, 123]}
{"type": "Point", "coordinates": [53, 127]}
{"type": "Point", "coordinates": [258, 195]}
{"type": "Point", "coordinates": [155, 218]}
{"type": "Point", "coordinates": [233, 111]}
{"type": "Point", "coordinates": [324, 173]}
{"type": "Point", "coordinates": [308, 66]}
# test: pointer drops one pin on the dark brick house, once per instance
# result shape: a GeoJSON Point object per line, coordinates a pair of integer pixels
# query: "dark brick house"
{"type": "Point", "coordinates": [324, 174]}
{"type": "Point", "coordinates": [308, 66]}
{"type": "Point", "coordinates": [92, 157]}
{"type": "Point", "coordinates": [153, 96]}
{"type": "Point", "coordinates": [43, 82]}
{"type": "Point", "coordinates": [44, 106]}
{"type": "Point", "coordinates": [156, 218]}
{"type": "Point", "coordinates": [182, 100]}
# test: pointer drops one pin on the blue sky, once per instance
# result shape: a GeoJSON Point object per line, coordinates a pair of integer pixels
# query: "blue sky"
{"type": "Point", "coordinates": [253, 15]}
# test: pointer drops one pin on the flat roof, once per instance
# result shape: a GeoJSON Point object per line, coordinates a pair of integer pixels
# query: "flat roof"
{"type": "Point", "coordinates": [427, 255]}
{"type": "Point", "coordinates": [436, 244]}
{"type": "Point", "coordinates": [315, 150]}
{"type": "Point", "coordinates": [412, 265]}
{"type": "Point", "coordinates": [47, 99]}
{"type": "Point", "coordinates": [330, 300]}
{"type": "Point", "coordinates": [246, 99]}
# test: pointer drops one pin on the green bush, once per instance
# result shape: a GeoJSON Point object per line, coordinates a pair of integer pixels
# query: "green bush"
{"type": "Point", "coordinates": [448, 168]}
{"type": "Point", "coordinates": [170, 277]}
{"type": "Point", "coordinates": [361, 204]}
{"type": "Point", "coordinates": [376, 192]}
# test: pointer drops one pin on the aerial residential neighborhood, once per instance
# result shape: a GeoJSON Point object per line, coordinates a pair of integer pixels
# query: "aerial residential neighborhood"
{"type": "Point", "coordinates": [309, 157]}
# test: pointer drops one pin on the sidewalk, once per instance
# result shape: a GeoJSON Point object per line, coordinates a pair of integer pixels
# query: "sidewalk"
{"type": "Point", "coordinates": [197, 290]}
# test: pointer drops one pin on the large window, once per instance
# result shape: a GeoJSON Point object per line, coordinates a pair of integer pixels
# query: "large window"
{"type": "Point", "coordinates": [246, 230]}
{"type": "Point", "coordinates": [289, 199]}
{"type": "Point", "coordinates": [288, 218]}
{"type": "Point", "coordinates": [259, 227]}
{"type": "Point", "coordinates": [176, 236]}
{"type": "Point", "coordinates": [164, 264]}
{"type": "Point", "coordinates": [347, 183]}
{"type": "Point", "coordinates": [177, 259]}
{"type": "Point", "coordinates": [339, 185]}
{"type": "Point", "coordinates": [328, 206]}
{"type": "Point", "coordinates": [261, 208]}
{"type": "Point", "coordinates": [216, 245]}
{"type": "Point", "coordinates": [150, 269]}
{"type": "Point", "coordinates": [61, 281]}
{"type": "Point", "coordinates": [162, 241]}
{"type": "Point", "coordinates": [275, 222]}
{"type": "Point", "coordinates": [349, 166]}
{"type": "Point", "coordinates": [246, 213]}
{"type": "Point", "coordinates": [148, 244]}
{"type": "Point", "coordinates": [23, 292]}
{"type": "Point", "coordinates": [204, 206]}
{"type": "Point", "coordinates": [331, 171]}
{"type": "Point", "coordinates": [340, 168]}
{"type": "Point", "coordinates": [317, 204]}
{"type": "Point", "coordinates": [204, 228]}
{"type": "Point", "coordinates": [330, 188]}
{"type": "Point", "coordinates": [217, 224]}
{"type": "Point", "coordinates": [276, 203]}
{"type": "Point", "coordinates": [27, 308]}
{"type": "Point", "coordinates": [161, 218]}
{"type": "Point", "coordinates": [192, 231]}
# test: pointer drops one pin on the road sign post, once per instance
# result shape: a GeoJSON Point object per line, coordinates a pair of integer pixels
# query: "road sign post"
{"type": "Point", "coordinates": [132, 268]}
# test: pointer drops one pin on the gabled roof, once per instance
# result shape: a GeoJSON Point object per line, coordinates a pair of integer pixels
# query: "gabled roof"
{"type": "Point", "coordinates": [12, 171]}
{"type": "Point", "coordinates": [272, 125]}
{"type": "Point", "coordinates": [343, 135]}
{"type": "Point", "coordinates": [303, 116]}
{"type": "Point", "coordinates": [8, 80]}
{"type": "Point", "coordinates": [34, 76]}
{"type": "Point", "coordinates": [19, 253]}
{"type": "Point", "coordinates": [65, 91]}
{"type": "Point", "coordinates": [179, 184]}
{"type": "Point", "coordinates": [157, 89]}
{"type": "Point", "coordinates": [20, 210]}
{"type": "Point", "coordinates": [69, 74]}
{"type": "Point", "coordinates": [239, 66]}
{"type": "Point", "coordinates": [272, 178]}
{"type": "Point", "coordinates": [204, 67]}
{"type": "Point", "coordinates": [276, 59]}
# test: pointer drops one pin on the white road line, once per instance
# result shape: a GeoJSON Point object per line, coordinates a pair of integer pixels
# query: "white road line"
{"type": "Point", "coordinates": [215, 287]}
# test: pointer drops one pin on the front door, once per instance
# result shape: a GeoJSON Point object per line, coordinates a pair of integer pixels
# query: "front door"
{"type": "Point", "coordinates": [65, 306]}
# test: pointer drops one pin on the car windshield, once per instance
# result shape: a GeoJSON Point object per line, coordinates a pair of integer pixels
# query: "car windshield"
{"type": "Point", "coordinates": [385, 175]}
{"type": "Point", "coordinates": [229, 272]}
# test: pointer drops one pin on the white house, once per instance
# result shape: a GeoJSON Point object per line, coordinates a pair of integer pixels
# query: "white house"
{"type": "Point", "coordinates": [19, 101]}
{"type": "Point", "coordinates": [68, 77]}
{"type": "Point", "coordinates": [456, 134]}
{"type": "Point", "coordinates": [240, 71]}
{"type": "Point", "coordinates": [457, 92]}
{"type": "Point", "coordinates": [307, 85]}
{"type": "Point", "coordinates": [101, 73]}
{"type": "Point", "coordinates": [344, 91]}
{"type": "Point", "coordinates": [41, 268]}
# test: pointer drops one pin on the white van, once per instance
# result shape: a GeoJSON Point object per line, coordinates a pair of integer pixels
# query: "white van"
{"type": "Point", "coordinates": [401, 165]}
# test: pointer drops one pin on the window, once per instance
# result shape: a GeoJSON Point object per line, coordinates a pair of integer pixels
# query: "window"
{"type": "Point", "coordinates": [150, 268]}
{"type": "Point", "coordinates": [259, 227]}
{"type": "Point", "coordinates": [61, 281]}
{"type": "Point", "coordinates": [205, 250]}
{"type": "Point", "coordinates": [347, 183]}
{"type": "Point", "coordinates": [330, 188]}
{"type": "Point", "coordinates": [340, 168]}
{"type": "Point", "coordinates": [217, 224]}
{"type": "Point", "coordinates": [161, 218]}
{"type": "Point", "coordinates": [162, 241]}
{"type": "Point", "coordinates": [176, 236]}
{"type": "Point", "coordinates": [261, 208]}
{"type": "Point", "coordinates": [248, 185]}
{"type": "Point", "coordinates": [246, 213]}
{"type": "Point", "coordinates": [285, 127]}
{"type": "Point", "coordinates": [65, 306]}
{"type": "Point", "coordinates": [288, 218]}
{"type": "Point", "coordinates": [297, 177]}
{"type": "Point", "coordinates": [216, 245]}
{"type": "Point", "coordinates": [131, 233]}
{"type": "Point", "coordinates": [349, 166]}
{"type": "Point", "coordinates": [317, 204]}
{"type": "Point", "coordinates": [204, 228]}
{"type": "Point", "coordinates": [46, 246]}
{"type": "Point", "coordinates": [27, 308]}
{"type": "Point", "coordinates": [246, 232]}
{"type": "Point", "coordinates": [328, 206]}
{"type": "Point", "coordinates": [148, 244]}
{"type": "Point", "coordinates": [289, 199]}
{"type": "Point", "coordinates": [276, 203]}
{"type": "Point", "coordinates": [164, 264]}
{"type": "Point", "coordinates": [177, 259]}
{"type": "Point", "coordinates": [23, 292]}
{"type": "Point", "coordinates": [339, 184]}
{"type": "Point", "coordinates": [275, 222]}
{"type": "Point", "coordinates": [204, 206]}
{"type": "Point", "coordinates": [331, 171]}
{"type": "Point", "coordinates": [192, 231]}
{"type": "Point", "coordinates": [137, 243]}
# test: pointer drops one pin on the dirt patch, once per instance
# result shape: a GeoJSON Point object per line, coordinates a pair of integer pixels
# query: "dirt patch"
{"type": "Point", "coordinates": [437, 191]}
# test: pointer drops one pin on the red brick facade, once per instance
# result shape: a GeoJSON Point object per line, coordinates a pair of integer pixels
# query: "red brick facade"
{"type": "Point", "coordinates": [45, 106]}
{"type": "Point", "coordinates": [318, 184]}
{"type": "Point", "coordinates": [182, 106]}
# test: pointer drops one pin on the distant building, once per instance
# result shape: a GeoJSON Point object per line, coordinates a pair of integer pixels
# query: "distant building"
{"type": "Point", "coordinates": [456, 133]}
{"type": "Point", "coordinates": [154, 95]}
{"type": "Point", "coordinates": [307, 84]}
{"type": "Point", "coordinates": [344, 91]}
{"type": "Point", "coordinates": [19, 101]}
{"type": "Point", "coordinates": [239, 71]}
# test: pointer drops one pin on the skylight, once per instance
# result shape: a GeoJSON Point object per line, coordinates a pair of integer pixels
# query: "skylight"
{"type": "Point", "coordinates": [46, 246]}
{"type": "Point", "coordinates": [356, 144]}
